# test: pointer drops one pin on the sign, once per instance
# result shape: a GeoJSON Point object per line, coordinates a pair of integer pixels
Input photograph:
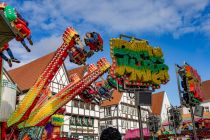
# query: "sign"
{"type": "Point", "coordinates": [194, 82]}
{"type": "Point", "coordinates": [137, 63]}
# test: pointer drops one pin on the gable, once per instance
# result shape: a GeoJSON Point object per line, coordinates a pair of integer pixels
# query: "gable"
{"type": "Point", "coordinates": [157, 101]}
{"type": "Point", "coordinates": [60, 80]}
{"type": "Point", "coordinates": [25, 76]}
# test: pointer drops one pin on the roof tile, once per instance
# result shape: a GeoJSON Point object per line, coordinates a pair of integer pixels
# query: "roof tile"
{"type": "Point", "coordinates": [205, 86]}
{"type": "Point", "coordinates": [80, 71]}
{"type": "Point", "coordinates": [25, 76]}
{"type": "Point", "coordinates": [116, 99]}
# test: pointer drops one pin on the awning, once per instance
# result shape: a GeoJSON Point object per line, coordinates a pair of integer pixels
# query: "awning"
{"type": "Point", "coordinates": [131, 134]}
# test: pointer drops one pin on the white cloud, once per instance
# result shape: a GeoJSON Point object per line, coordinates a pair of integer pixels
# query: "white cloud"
{"type": "Point", "coordinates": [176, 17]}
{"type": "Point", "coordinates": [40, 48]}
{"type": "Point", "coordinates": [157, 17]}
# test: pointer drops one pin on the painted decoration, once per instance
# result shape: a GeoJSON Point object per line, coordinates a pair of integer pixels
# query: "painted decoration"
{"type": "Point", "coordinates": [31, 133]}
{"type": "Point", "coordinates": [137, 64]}
{"type": "Point", "coordinates": [193, 82]}
{"type": "Point", "coordinates": [57, 120]}
{"type": "Point", "coordinates": [10, 13]}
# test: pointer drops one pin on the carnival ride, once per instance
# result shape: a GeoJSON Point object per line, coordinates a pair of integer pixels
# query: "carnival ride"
{"type": "Point", "coordinates": [12, 25]}
{"type": "Point", "coordinates": [37, 108]}
{"type": "Point", "coordinates": [79, 54]}
{"type": "Point", "coordinates": [135, 64]}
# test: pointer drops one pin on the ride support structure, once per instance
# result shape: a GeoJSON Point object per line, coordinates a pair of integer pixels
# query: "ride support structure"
{"type": "Point", "coordinates": [24, 108]}
{"type": "Point", "coordinates": [42, 115]}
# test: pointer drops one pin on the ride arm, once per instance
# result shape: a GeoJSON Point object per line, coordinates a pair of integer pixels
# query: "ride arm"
{"type": "Point", "coordinates": [42, 115]}
{"type": "Point", "coordinates": [25, 106]}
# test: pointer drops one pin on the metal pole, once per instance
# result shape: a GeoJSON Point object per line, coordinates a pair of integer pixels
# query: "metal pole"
{"type": "Point", "coordinates": [116, 108]}
{"type": "Point", "coordinates": [1, 73]}
{"type": "Point", "coordinates": [193, 122]}
{"type": "Point", "coordinates": [117, 117]}
{"type": "Point", "coordinates": [140, 123]}
{"type": "Point", "coordinates": [178, 83]}
{"type": "Point", "coordinates": [153, 123]}
{"type": "Point", "coordinates": [174, 123]}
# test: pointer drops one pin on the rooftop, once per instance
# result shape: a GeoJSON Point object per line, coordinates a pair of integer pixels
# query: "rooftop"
{"type": "Point", "coordinates": [205, 86]}
{"type": "Point", "coordinates": [25, 76]}
{"type": "Point", "coordinates": [157, 101]}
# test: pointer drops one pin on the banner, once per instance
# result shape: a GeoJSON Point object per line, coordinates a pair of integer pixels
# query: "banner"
{"type": "Point", "coordinates": [137, 63]}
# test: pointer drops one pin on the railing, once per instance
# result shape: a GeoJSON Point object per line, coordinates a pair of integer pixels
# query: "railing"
{"type": "Point", "coordinates": [6, 83]}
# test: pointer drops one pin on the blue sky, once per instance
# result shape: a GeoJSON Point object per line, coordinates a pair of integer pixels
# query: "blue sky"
{"type": "Point", "coordinates": [180, 28]}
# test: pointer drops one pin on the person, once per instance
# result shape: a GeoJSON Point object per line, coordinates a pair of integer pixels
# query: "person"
{"type": "Point", "coordinates": [73, 52]}
{"type": "Point", "coordinates": [110, 133]}
{"type": "Point", "coordinates": [94, 41]}
{"type": "Point", "coordinates": [3, 56]}
{"type": "Point", "coordinates": [22, 23]}
{"type": "Point", "coordinates": [103, 90]}
{"type": "Point", "coordinates": [91, 37]}
{"type": "Point", "coordinates": [85, 49]}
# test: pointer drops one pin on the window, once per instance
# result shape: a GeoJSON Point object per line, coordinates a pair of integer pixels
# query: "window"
{"type": "Point", "coordinates": [81, 105]}
{"type": "Point", "coordinates": [109, 122]}
{"type": "Point", "coordinates": [75, 136]}
{"type": "Point", "coordinates": [90, 122]}
{"type": "Point", "coordinates": [144, 119]}
{"type": "Point", "coordinates": [73, 120]}
{"type": "Point", "coordinates": [64, 134]}
{"type": "Point", "coordinates": [123, 124]}
{"type": "Point", "coordinates": [132, 111]}
{"type": "Point", "coordinates": [122, 108]}
{"type": "Point", "coordinates": [79, 121]}
{"type": "Point", "coordinates": [102, 127]}
{"type": "Point", "coordinates": [87, 106]}
{"type": "Point", "coordinates": [125, 109]}
{"type": "Point", "coordinates": [134, 124]}
{"type": "Point", "coordinates": [128, 110]}
{"type": "Point", "coordinates": [85, 121]}
{"type": "Point", "coordinates": [76, 103]}
{"type": "Point", "coordinates": [108, 111]}
{"type": "Point", "coordinates": [124, 99]}
{"type": "Point", "coordinates": [206, 109]}
{"type": "Point", "coordinates": [93, 107]}
{"type": "Point", "coordinates": [88, 138]}
{"type": "Point", "coordinates": [128, 125]}
{"type": "Point", "coordinates": [135, 112]}
{"type": "Point", "coordinates": [59, 80]}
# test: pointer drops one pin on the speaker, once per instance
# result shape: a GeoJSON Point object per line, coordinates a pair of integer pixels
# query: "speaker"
{"type": "Point", "coordinates": [143, 99]}
{"type": "Point", "coordinates": [199, 111]}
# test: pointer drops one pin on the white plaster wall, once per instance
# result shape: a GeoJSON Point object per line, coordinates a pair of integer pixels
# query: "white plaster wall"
{"type": "Point", "coordinates": [165, 106]}
{"type": "Point", "coordinates": [7, 103]}
{"type": "Point", "coordinates": [185, 110]}
{"type": "Point", "coordinates": [206, 104]}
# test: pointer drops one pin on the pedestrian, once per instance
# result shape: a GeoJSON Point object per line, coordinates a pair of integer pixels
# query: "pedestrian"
{"type": "Point", "coordinates": [110, 133]}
